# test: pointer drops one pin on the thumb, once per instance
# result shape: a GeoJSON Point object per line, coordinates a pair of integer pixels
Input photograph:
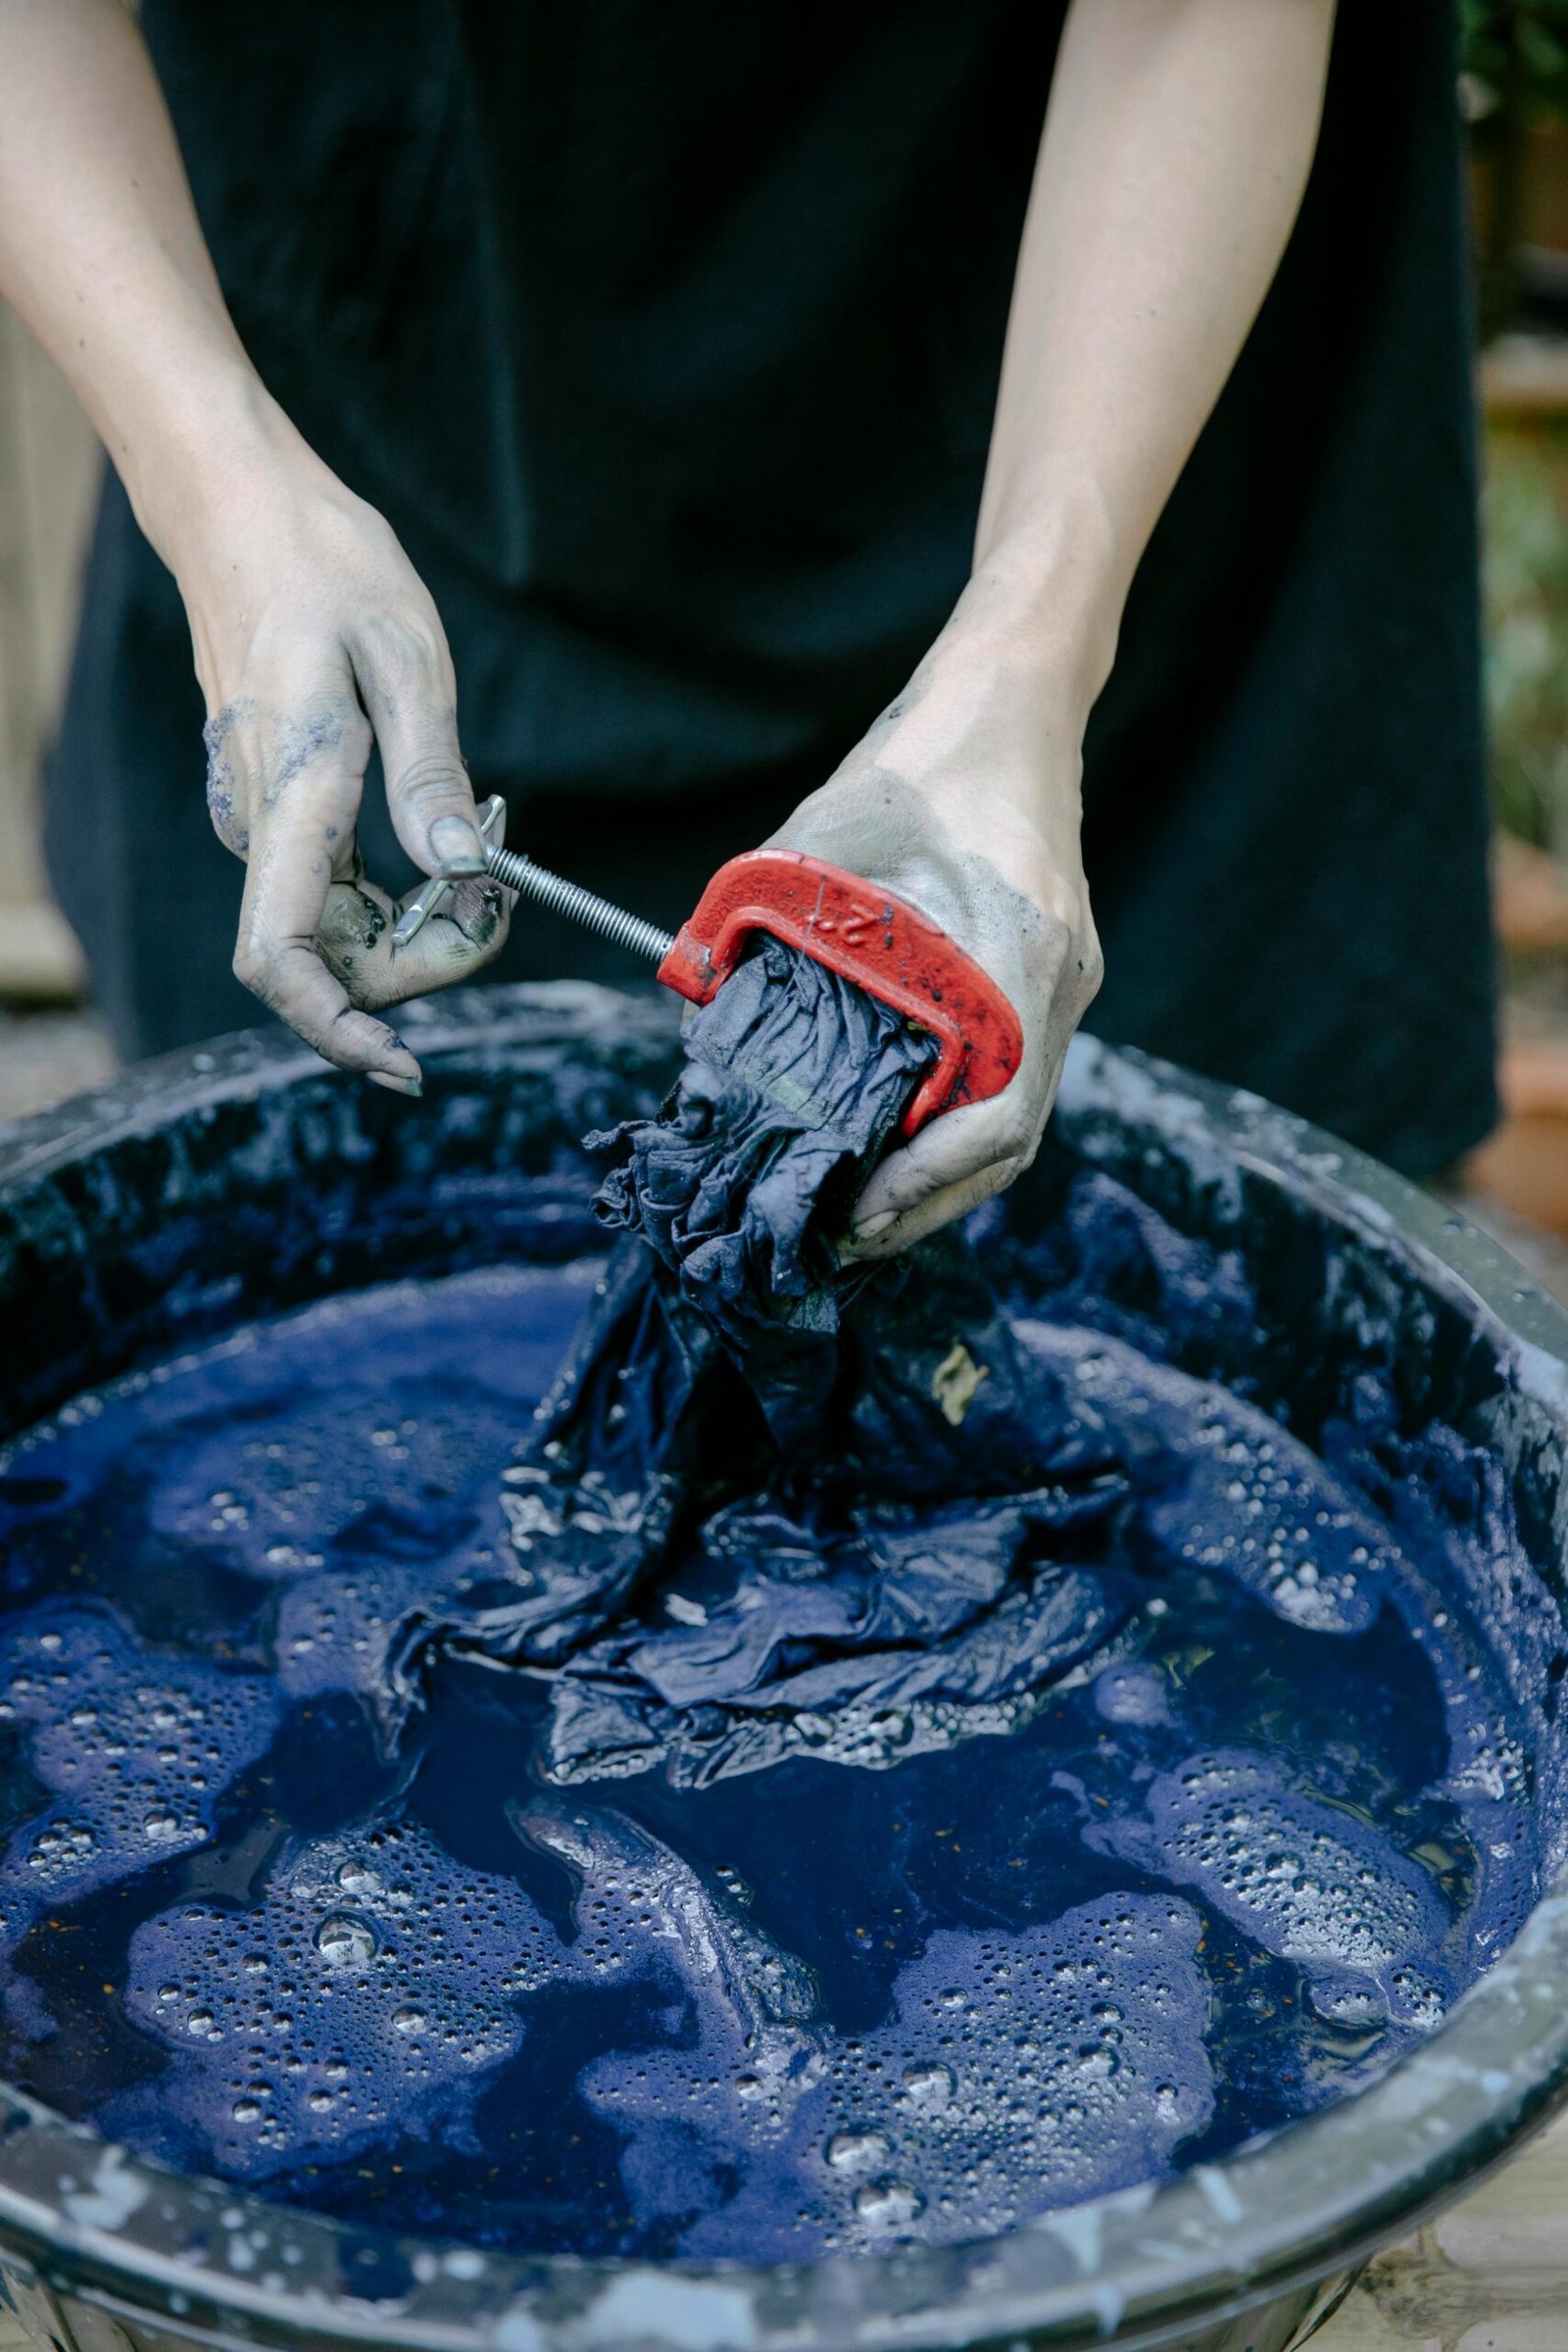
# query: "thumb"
{"type": "Point", "coordinates": [428, 791]}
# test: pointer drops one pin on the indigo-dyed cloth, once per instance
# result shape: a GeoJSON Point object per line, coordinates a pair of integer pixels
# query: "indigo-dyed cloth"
{"type": "Point", "coordinates": [873, 1523]}
{"type": "Point", "coordinates": [986, 1501]}
{"type": "Point", "coordinates": [794, 1080]}
{"type": "Point", "coordinates": [775, 1507]}
{"type": "Point", "coordinates": [938, 1547]}
{"type": "Point", "coordinates": [871, 1556]}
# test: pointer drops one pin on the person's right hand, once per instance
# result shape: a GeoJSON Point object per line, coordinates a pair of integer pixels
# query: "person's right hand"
{"type": "Point", "coordinates": [314, 636]}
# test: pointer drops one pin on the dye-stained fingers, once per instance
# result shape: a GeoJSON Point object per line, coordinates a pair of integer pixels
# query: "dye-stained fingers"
{"type": "Point", "coordinates": [357, 940]}
{"type": "Point", "coordinates": [300, 781]}
{"type": "Point", "coordinates": [1004, 882]}
{"type": "Point", "coordinates": [955, 1162]}
{"type": "Point", "coordinates": [405, 680]}
{"type": "Point", "coordinates": [963, 1157]}
{"type": "Point", "coordinates": [285, 778]}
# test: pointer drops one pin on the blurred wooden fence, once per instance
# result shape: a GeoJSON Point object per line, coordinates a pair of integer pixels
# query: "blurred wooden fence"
{"type": "Point", "coordinates": [49, 469]}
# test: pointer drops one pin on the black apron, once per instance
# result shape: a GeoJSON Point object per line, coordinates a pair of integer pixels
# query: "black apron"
{"type": "Point", "coordinates": [668, 339]}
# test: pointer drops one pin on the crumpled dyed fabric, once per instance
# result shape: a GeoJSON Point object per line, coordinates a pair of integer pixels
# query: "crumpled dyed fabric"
{"type": "Point", "coordinates": [988, 1502]}
{"type": "Point", "coordinates": [794, 1081]}
{"type": "Point", "coordinates": [942, 1549]}
{"type": "Point", "coordinates": [772, 1510]}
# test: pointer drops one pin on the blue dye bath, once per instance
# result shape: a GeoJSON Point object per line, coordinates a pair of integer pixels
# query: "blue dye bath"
{"type": "Point", "coordinates": [1224, 1872]}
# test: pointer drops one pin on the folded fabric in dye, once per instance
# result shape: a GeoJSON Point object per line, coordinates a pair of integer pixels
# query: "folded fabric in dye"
{"type": "Point", "coordinates": [946, 1546]}
{"type": "Point", "coordinates": [767, 1511]}
{"type": "Point", "coordinates": [618, 1452]}
{"type": "Point", "coordinates": [830, 1650]}
{"type": "Point", "coordinates": [988, 1501]}
{"type": "Point", "coordinates": [794, 1080]}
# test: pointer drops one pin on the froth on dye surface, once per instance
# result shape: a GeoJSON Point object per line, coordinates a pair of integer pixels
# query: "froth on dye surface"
{"type": "Point", "coordinates": [289, 1897]}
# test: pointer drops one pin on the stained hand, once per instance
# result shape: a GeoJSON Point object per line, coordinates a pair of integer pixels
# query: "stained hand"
{"type": "Point", "coordinates": [963, 798]}
{"type": "Point", "coordinates": [315, 637]}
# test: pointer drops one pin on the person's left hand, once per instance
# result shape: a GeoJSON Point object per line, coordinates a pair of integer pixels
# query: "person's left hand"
{"type": "Point", "coordinates": [963, 798]}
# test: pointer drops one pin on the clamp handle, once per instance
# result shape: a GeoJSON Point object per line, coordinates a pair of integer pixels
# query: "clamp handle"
{"type": "Point", "coordinates": [880, 941]}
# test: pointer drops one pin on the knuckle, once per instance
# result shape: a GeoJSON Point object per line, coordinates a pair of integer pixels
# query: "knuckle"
{"type": "Point", "coordinates": [1013, 1134]}
{"type": "Point", "coordinates": [391, 645]}
{"type": "Point", "coordinates": [1054, 948]}
{"type": "Point", "coordinates": [324, 727]}
{"type": "Point", "coordinates": [404, 649]}
{"type": "Point", "coordinates": [253, 966]}
{"type": "Point", "coordinates": [230, 829]}
{"type": "Point", "coordinates": [433, 782]}
{"type": "Point", "coordinates": [315, 739]}
{"type": "Point", "coordinates": [1027, 1156]}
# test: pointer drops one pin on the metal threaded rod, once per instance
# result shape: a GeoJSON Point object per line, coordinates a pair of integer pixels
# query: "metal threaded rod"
{"type": "Point", "coordinates": [579, 905]}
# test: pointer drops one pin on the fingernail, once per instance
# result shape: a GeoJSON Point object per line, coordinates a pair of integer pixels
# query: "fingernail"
{"type": "Point", "coordinates": [458, 845]}
{"type": "Point", "coordinates": [395, 1083]}
{"type": "Point", "coordinates": [869, 1227]}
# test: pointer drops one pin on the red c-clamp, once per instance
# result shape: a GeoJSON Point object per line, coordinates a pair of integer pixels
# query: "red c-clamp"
{"type": "Point", "coordinates": [880, 941]}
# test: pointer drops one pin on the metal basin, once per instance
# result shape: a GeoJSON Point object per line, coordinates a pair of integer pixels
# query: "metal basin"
{"type": "Point", "coordinates": [212, 1186]}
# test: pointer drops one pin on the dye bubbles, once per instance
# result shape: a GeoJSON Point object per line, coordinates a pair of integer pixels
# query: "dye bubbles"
{"type": "Point", "coordinates": [1260, 1808]}
{"type": "Point", "coordinates": [1306, 1881]}
{"type": "Point", "coordinates": [1018, 2073]}
{"type": "Point", "coordinates": [136, 1750]}
{"type": "Point", "coordinates": [1243, 1497]}
{"type": "Point", "coordinates": [371, 1991]}
{"type": "Point", "coordinates": [378, 1983]}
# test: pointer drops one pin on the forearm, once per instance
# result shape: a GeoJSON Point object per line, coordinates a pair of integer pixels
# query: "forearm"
{"type": "Point", "coordinates": [101, 252]}
{"type": "Point", "coordinates": [1177, 144]}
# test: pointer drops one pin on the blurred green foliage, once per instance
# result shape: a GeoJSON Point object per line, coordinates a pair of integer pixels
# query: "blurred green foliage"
{"type": "Point", "coordinates": [1517, 50]}
{"type": "Point", "coordinates": [1525, 591]}
{"type": "Point", "coordinates": [1515, 57]}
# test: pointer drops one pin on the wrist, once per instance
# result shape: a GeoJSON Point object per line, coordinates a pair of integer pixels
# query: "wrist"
{"type": "Point", "coordinates": [1043, 598]}
{"type": "Point", "coordinates": [208, 461]}
{"type": "Point", "coordinates": [990, 730]}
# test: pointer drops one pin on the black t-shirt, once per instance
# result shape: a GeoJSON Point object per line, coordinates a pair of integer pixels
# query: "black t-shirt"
{"type": "Point", "coordinates": [668, 339]}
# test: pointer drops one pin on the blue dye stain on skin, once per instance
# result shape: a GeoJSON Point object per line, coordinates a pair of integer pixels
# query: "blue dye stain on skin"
{"type": "Point", "coordinates": [218, 736]}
